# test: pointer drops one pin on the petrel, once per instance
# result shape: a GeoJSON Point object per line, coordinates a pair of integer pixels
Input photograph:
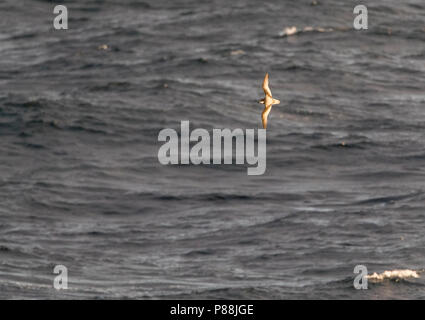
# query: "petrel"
{"type": "Point", "coordinates": [268, 101]}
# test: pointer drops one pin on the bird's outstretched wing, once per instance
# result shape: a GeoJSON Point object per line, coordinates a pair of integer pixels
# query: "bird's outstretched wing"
{"type": "Point", "coordinates": [265, 114]}
{"type": "Point", "coordinates": [266, 88]}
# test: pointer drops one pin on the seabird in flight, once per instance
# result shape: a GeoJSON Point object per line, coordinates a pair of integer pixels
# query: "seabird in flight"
{"type": "Point", "coordinates": [268, 101]}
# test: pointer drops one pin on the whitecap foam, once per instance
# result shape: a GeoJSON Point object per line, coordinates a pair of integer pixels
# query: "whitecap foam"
{"type": "Point", "coordinates": [394, 274]}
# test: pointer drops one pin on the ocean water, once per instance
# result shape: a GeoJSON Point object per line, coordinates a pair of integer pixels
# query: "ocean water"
{"type": "Point", "coordinates": [80, 181]}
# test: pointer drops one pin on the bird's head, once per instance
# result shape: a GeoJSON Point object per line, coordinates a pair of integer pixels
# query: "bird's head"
{"type": "Point", "coordinates": [261, 101]}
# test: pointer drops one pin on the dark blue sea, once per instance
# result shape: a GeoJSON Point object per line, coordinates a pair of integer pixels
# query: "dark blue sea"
{"type": "Point", "coordinates": [81, 184]}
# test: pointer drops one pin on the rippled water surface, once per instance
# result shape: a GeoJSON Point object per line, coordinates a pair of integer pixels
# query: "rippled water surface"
{"type": "Point", "coordinates": [80, 181]}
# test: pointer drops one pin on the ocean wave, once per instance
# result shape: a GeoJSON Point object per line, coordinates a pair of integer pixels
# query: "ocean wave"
{"type": "Point", "coordinates": [414, 33]}
{"type": "Point", "coordinates": [290, 31]}
{"type": "Point", "coordinates": [221, 196]}
{"type": "Point", "coordinates": [394, 274]}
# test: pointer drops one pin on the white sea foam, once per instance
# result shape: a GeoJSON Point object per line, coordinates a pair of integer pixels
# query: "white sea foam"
{"type": "Point", "coordinates": [290, 31]}
{"type": "Point", "coordinates": [394, 274]}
